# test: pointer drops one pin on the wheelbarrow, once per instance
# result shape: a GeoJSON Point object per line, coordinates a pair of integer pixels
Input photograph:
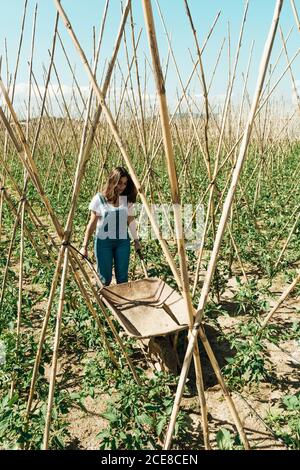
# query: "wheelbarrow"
{"type": "Point", "coordinates": [146, 307]}
{"type": "Point", "coordinates": [151, 311]}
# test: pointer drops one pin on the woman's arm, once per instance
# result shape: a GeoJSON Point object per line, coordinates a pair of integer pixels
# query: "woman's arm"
{"type": "Point", "coordinates": [133, 231]}
{"type": "Point", "coordinates": [90, 229]}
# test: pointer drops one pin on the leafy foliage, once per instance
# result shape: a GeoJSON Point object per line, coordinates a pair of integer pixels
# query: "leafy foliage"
{"type": "Point", "coordinates": [285, 420]}
{"type": "Point", "coordinates": [138, 415]}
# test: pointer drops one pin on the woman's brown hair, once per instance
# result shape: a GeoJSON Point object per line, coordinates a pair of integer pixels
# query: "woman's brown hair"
{"type": "Point", "coordinates": [112, 182]}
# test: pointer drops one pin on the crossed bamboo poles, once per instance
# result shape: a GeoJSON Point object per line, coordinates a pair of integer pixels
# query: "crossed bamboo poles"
{"type": "Point", "coordinates": [64, 251]}
{"type": "Point", "coordinates": [174, 188]}
{"type": "Point", "coordinates": [198, 328]}
{"type": "Point", "coordinates": [63, 235]}
{"type": "Point", "coordinates": [65, 248]}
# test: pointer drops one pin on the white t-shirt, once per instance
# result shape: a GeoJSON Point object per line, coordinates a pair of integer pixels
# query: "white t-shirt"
{"type": "Point", "coordinates": [97, 206]}
{"type": "Point", "coordinates": [107, 214]}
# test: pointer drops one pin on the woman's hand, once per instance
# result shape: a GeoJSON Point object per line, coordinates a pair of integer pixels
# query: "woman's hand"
{"type": "Point", "coordinates": [91, 227]}
{"type": "Point", "coordinates": [137, 245]}
{"type": "Point", "coordinates": [84, 251]}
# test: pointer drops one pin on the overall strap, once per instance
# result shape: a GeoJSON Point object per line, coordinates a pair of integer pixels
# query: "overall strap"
{"type": "Point", "coordinates": [102, 199]}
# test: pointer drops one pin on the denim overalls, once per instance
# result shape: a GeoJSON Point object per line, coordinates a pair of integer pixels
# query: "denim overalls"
{"type": "Point", "coordinates": [112, 243]}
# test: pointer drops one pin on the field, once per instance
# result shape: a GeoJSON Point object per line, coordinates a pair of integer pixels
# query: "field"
{"type": "Point", "coordinates": [70, 378]}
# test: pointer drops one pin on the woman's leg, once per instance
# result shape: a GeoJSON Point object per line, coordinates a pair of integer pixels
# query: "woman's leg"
{"type": "Point", "coordinates": [121, 258]}
{"type": "Point", "coordinates": [104, 257]}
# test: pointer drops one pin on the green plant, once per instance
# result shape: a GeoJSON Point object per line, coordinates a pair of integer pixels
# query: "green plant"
{"type": "Point", "coordinates": [16, 432]}
{"type": "Point", "coordinates": [227, 441]}
{"type": "Point", "coordinates": [249, 363]}
{"type": "Point", "coordinates": [249, 297]}
{"type": "Point", "coordinates": [138, 415]}
{"type": "Point", "coordinates": [285, 420]}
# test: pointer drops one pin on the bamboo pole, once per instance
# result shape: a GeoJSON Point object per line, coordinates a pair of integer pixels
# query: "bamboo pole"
{"type": "Point", "coordinates": [16, 214]}
{"type": "Point", "coordinates": [43, 331]}
{"type": "Point", "coordinates": [13, 138]}
{"type": "Point", "coordinates": [226, 394]}
{"type": "Point", "coordinates": [14, 81]}
{"type": "Point", "coordinates": [23, 208]}
{"type": "Point", "coordinates": [279, 234]}
{"type": "Point", "coordinates": [295, 89]}
{"type": "Point", "coordinates": [67, 112]}
{"type": "Point", "coordinates": [34, 218]}
{"type": "Point", "coordinates": [30, 71]}
{"type": "Point", "coordinates": [204, 151]}
{"type": "Point", "coordinates": [116, 133]}
{"type": "Point", "coordinates": [46, 320]}
{"type": "Point", "coordinates": [212, 179]}
{"type": "Point", "coordinates": [282, 298]}
{"type": "Point", "coordinates": [225, 113]}
{"type": "Point", "coordinates": [180, 387]}
{"type": "Point", "coordinates": [287, 241]}
{"type": "Point", "coordinates": [134, 44]}
{"type": "Point", "coordinates": [65, 254]}
{"type": "Point", "coordinates": [111, 64]}
{"type": "Point", "coordinates": [96, 185]}
{"type": "Point", "coordinates": [226, 209]}
{"type": "Point", "coordinates": [26, 139]}
{"type": "Point", "coordinates": [201, 396]}
{"type": "Point", "coordinates": [56, 137]}
{"type": "Point", "coordinates": [66, 242]}
{"type": "Point", "coordinates": [184, 94]}
{"type": "Point", "coordinates": [72, 70]}
{"type": "Point", "coordinates": [175, 194]}
{"type": "Point", "coordinates": [94, 314]}
{"type": "Point", "coordinates": [53, 372]}
{"type": "Point", "coordinates": [101, 304]}
{"type": "Point", "coordinates": [295, 12]}
{"type": "Point", "coordinates": [240, 138]}
{"type": "Point", "coordinates": [9, 254]}
{"type": "Point", "coordinates": [38, 129]}
{"type": "Point", "coordinates": [230, 88]}
{"type": "Point", "coordinates": [204, 88]}
{"type": "Point", "coordinates": [242, 152]}
{"type": "Point", "coordinates": [26, 157]}
{"type": "Point", "coordinates": [83, 154]}
{"type": "Point", "coordinates": [155, 152]}
{"type": "Point", "coordinates": [259, 108]}
{"type": "Point", "coordinates": [160, 85]}
{"type": "Point", "coordinates": [135, 113]}
{"type": "Point", "coordinates": [276, 64]}
{"type": "Point", "coordinates": [230, 226]}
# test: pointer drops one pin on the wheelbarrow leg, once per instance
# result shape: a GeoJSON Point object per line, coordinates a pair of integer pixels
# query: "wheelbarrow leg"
{"type": "Point", "coordinates": [145, 349]}
{"type": "Point", "coordinates": [162, 350]}
{"type": "Point", "coordinates": [174, 342]}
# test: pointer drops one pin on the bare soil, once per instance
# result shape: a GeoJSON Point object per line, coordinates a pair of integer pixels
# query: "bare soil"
{"type": "Point", "coordinates": [252, 403]}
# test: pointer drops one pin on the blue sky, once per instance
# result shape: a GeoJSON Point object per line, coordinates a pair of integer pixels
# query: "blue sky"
{"type": "Point", "coordinates": [86, 14]}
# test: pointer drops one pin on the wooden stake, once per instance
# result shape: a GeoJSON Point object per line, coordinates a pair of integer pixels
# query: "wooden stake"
{"type": "Point", "coordinates": [118, 139]}
{"type": "Point", "coordinates": [164, 116]}
{"type": "Point", "coordinates": [65, 254]}
{"type": "Point", "coordinates": [282, 298]}
{"type": "Point", "coordinates": [226, 209]}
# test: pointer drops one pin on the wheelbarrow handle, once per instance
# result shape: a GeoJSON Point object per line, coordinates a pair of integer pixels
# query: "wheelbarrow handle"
{"type": "Point", "coordinates": [140, 255]}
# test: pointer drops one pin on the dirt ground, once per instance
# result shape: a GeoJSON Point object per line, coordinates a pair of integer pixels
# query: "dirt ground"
{"type": "Point", "coordinates": [251, 404]}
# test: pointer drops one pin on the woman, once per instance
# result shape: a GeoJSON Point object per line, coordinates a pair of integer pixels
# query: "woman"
{"type": "Point", "coordinates": [111, 214]}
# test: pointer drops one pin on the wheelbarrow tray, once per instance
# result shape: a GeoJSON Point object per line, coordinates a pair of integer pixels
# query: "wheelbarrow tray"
{"type": "Point", "coordinates": [146, 307]}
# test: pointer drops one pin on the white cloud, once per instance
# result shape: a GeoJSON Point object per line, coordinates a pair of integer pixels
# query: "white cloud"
{"type": "Point", "coordinates": [75, 105]}
{"type": "Point", "coordinates": [54, 94]}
